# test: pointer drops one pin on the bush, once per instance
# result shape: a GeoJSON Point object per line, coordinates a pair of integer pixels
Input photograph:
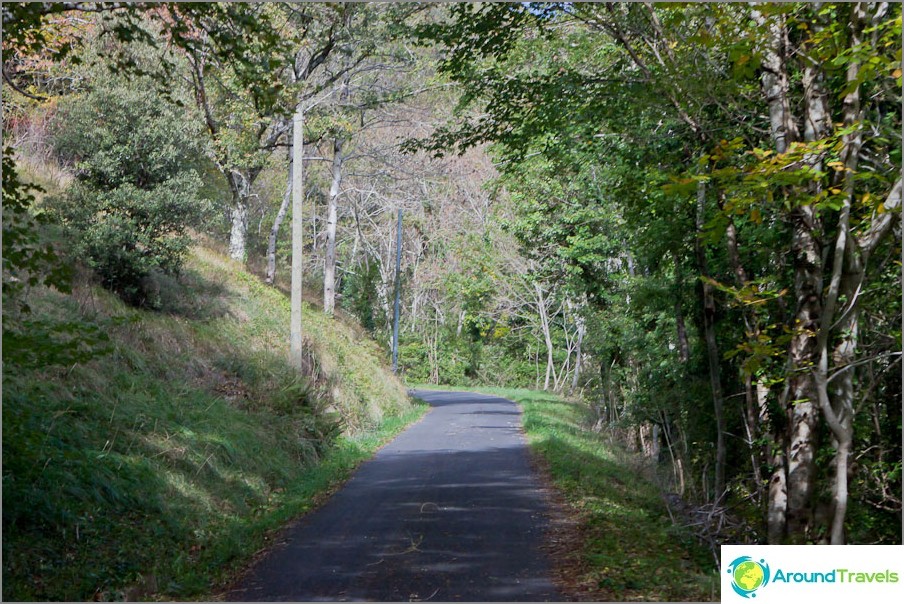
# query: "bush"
{"type": "Point", "coordinates": [137, 192]}
{"type": "Point", "coordinates": [127, 234]}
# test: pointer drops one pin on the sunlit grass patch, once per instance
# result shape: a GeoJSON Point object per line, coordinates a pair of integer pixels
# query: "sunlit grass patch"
{"type": "Point", "coordinates": [631, 549]}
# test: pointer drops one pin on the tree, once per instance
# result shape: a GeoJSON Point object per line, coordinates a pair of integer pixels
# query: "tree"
{"type": "Point", "coordinates": [235, 35]}
{"type": "Point", "coordinates": [366, 78]}
{"type": "Point", "coordinates": [244, 127]}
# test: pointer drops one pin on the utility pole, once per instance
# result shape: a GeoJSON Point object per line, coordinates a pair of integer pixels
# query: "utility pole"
{"type": "Point", "coordinates": [297, 241]}
{"type": "Point", "coordinates": [398, 288]}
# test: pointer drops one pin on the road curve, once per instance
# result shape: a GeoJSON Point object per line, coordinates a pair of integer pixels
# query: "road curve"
{"type": "Point", "coordinates": [448, 511]}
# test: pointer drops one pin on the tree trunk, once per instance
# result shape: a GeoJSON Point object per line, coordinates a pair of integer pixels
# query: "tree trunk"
{"type": "Point", "coordinates": [802, 415]}
{"type": "Point", "coordinates": [547, 335]}
{"type": "Point", "coordinates": [817, 121]}
{"type": "Point", "coordinates": [240, 178]}
{"type": "Point", "coordinates": [752, 409]}
{"type": "Point", "coordinates": [582, 329]}
{"type": "Point", "coordinates": [684, 356]}
{"type": "Point", "coordinates": [751, 327]}
{"type": "Point", "coordinates": [274, 230]}
{"type": "Point", "coordinates": [434, 348]}
{"type": "Point", "coordinates": [792, 458]}
{"type": "Point", "coordinates": [329, 264]}
{"type": "Point", "coordinates": [839, 410]}
{"type": "Point", "coordinates": [840, 489]}
{"type": "Point", "coordinates": [838, 405]}
{"type": "Point", "coordinates": [241, 191]}
{"type": "Point", "coordinates": [295, 339]}
{"type": "Point", "coordinates": [383, 292]}
{"type": "Point", "coordinates": [775, 83]}
{"type": "Point", "coordinates": [806, 349]}
{"type": "Point", "coordinates": [684, 349]}
{"type": "Point", "coordinates": [712, 349]}
{"type": "Point", "coordinates": [848, 275]}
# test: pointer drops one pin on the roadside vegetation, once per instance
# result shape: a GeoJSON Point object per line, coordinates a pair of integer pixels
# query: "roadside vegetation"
{"type": "Point", "coordinates": [159, 467]}
{"type": "Point", "coordinates": [632, 549]}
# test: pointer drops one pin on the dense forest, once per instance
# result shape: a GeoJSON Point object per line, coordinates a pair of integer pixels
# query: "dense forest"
{"type": "Point", "coordinates": [685, 217]}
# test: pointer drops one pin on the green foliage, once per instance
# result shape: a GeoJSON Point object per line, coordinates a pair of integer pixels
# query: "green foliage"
{"type": "Point", "coordinates": [127, 234]}
{"type": "Point", "coordinates": [453, 360]}
{"type": "Point", "coordinates": [28, 258]}
{"type": "Point", "coordinates": [243, 35]}
{"type": "Point", "coordinates": [359, 295]}
{"type": "Point", "coordinates": [120, 133]}
{"type": "Point", "coordinates": [606, 119]}
{"type": "Point", "coordinates": [137, 190]}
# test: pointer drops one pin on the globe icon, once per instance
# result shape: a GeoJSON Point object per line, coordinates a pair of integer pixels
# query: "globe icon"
{"type": "Point", "coordinates": [748, 575]}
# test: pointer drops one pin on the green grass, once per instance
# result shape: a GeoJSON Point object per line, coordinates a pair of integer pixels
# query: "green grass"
{"type": "Point", "coordinates": [157, 471]}
{"type": "Point", "coordinates": [630, 550]}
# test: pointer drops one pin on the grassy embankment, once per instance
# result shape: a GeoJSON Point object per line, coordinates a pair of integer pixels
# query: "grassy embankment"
{"type": "Point", "coordinates": [623, 543]}
{"type": "Point", "coordinates": [159, 469]}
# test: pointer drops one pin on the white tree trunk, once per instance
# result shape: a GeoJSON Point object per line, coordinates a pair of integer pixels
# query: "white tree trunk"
{"type": "Point", "coordinates": [775, 83]}
{"type": "Point", "coordinates": [241, 191]}
{"type": "Point", "coordinates": [274, 230]}
{"type": "Point", "coordinates": [848, 275]}
{"type": "Point", "coordinates": [789, 486]}
{"type": "Point", "coordinates": [329, 263]}
{"type": "Point", "coordinates": [238, 232]}
{"type": "Point", "coordinates": [547, 335]}
{"type": "Point", "coordinates": [582, 329]}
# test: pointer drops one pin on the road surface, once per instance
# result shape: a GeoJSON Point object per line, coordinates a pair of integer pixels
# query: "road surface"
{"type": "Point", "coordinates": [448, 511]}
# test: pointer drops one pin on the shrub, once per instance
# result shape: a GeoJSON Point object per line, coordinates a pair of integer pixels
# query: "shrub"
{"type": "Point", "coordinates": [127, 234]}
{"type": "Point", "coordinates": [137, 190]}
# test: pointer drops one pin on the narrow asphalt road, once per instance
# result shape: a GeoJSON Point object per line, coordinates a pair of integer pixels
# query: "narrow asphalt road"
{"type": "Point", "coordinates": [448, 511]}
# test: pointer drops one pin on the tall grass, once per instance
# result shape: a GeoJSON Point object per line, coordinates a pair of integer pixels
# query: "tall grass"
{"type": "Point", "coordinates": [156, 471]}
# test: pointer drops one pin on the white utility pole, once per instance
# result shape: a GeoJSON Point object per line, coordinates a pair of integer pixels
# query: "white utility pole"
{"type": "Point", "coordinates": [297, 232]}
